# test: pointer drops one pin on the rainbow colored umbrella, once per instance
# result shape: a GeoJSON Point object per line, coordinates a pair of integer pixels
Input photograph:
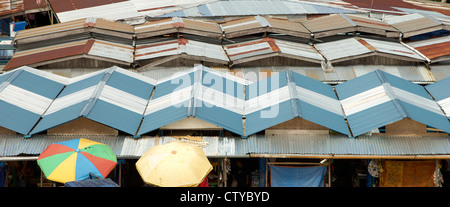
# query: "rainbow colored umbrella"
{"type": "Point", "coordinates": [74, 159]}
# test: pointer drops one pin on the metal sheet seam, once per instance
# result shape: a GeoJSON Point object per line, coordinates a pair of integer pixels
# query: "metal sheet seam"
{"type": "Point", "coordinates": [10, 79]}
{"type": "Point", "coordinates": [87, 109]}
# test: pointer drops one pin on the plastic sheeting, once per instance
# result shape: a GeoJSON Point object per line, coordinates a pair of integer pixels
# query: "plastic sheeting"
{"type": "Point", "coordinates": [288, 176]}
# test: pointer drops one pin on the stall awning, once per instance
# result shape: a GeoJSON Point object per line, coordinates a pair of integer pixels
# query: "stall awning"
{"type": "Point", "coordinates": [298, 146]}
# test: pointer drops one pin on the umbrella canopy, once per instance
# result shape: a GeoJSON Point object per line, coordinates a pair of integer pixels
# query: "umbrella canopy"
{"type": "Point", "coordinates": [174, 165]}
{"type": "Point", "coordinates": [74, 159]}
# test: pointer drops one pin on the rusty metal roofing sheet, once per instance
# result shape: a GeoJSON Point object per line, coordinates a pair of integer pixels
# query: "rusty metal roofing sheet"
{"type": "Point", "coordinates": [176, 24]}
{"type": "Point", "coordinates": [258, 24]}
{"type": "Point", "coordinates": [359, 47]}
{"type": "Point", "coordinates": [111, 10]}
{"type": "Point", "coordinates": [10, 7]}
{"type": "Point", "coordinates": [414, 23]}
{"type": "Point", "coordinates": [181, 46]}
{"type": "Point", "coordinates": [84, 25]}
{"type": "Point", "coordinates": [327, 23]}
{"type": "Point", "coordinates": [257, 49]}
{"type": "Point", "coordinates": [94, 48]}
{"type": "Point", "coordinates": [433, 48]}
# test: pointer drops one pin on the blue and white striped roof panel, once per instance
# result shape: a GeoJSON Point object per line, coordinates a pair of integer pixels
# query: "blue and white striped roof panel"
{"type": "Point", "coordinates": [441, 93]}
{"type": "Point", "coordinates": [136, 104]}
{"type": "Point", "coordinates": [378, 98]}
{"type": "Point", "coordinates": [24, 96]}
{"type": "Point", "coordinates": [96, 96]}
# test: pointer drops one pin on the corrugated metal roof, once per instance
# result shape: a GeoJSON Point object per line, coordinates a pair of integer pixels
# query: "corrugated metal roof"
{"type": "Point", "coordinates": [434, 49]}
{"type": "Point", "coordinates": [114, 52]}
{"type": "Point", "coordinates": [176, 24]}
{"type": "Point", "coordinates": [441, 94]}
{"type": "Point", "coordinates": [360, 47]}
{"type": "Point", "coordinates": [95, 96]}
{"type": "Point", "coordinates": [247, 8]}
{"type": "Point", "coordinates": [14, 7]}
{"type": "Point", "coordinates": [365, 98]}
{"type": "Point", "coordinates": [414, 24]}
{"type": "Point", "coordinates": [279, 98]}
{"type": "Point", "coordinates": [25, 94]}
{"type": "Point", "coordinates": [111, 10]}
{"type": "Point", "coordinates": [258, 49]}
{"type": "Point", "coordinates": [259, 24]}
{"type": "Point", "coordinates": [209, 52]}
{"type": "Point", "coordinates": [84, 25]}
{"type": "Point", "coordinates": [293, 145]}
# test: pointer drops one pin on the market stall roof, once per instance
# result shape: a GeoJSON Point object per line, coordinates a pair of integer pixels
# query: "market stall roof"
{"type": "Point", "coordinates": [172, 49]}
{"type": "Point", "coordinates": [10, 8]}
{"type": "Point", "coordinates": [75, 27]}
{"type": "Point", "coordinates": [96, 95]}
{"type": "Point", "coordinates": [378, 99]}
{"type": "Point", "coordinates": [67, 10]}
{"type": "Point", "coordinates": [223, 100]}
{"type": "Point", "coordinates": [300, 146]}
{"type": "Point", "coordinates": [178, 25]}
{"type": "Point", "coordinates": [344, 23]}
{"type": "Point", "coordinates": [287, 95]}
{"type": "Point", "coordinates": [252, 7]}
{"type": "Point", "coordinates": [25, 94]}
{"type": "Point", "coordinates": [439, 91]}
{"type": "Point", "coordinates": [91, 48]}
{"type": "Point", "coordinates": [414, 24]}
{"type": "Point", "coordinates": [351, 48]}
{"type": "Point", "coordinates": [435, 49]}
{"type": "Point", "coordinates": [269, 47]}
{"type": "Point", "coordinates": [260, 24]}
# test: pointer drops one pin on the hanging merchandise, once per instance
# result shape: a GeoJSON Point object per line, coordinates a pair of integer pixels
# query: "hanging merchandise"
{"type": "Point", "coordinates": [374, 168]}
{"type": "Point", "coordinates": [437, 175]}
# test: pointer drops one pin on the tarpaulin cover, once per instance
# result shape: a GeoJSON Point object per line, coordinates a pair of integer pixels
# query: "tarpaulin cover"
{"type": "Point", "coordinates": [297, 176]}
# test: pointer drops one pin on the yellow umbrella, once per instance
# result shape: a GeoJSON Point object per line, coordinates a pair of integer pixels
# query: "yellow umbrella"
{"type": "Point", "coordinates": [174, 165]}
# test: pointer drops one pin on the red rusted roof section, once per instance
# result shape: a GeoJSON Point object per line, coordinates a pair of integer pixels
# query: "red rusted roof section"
{"type": "Point", "coordinates": [366, 44]}
{"type": "Point", "coordinates": [69, 5]}
{"type": "Point", "coordinates": [388, 5]}
{"type": "Point", "coordinates": [8, 7]}
{"type": "Point", "coordinates": [50, 54]}
{"type": "Point", "coordinates": [435, 50]}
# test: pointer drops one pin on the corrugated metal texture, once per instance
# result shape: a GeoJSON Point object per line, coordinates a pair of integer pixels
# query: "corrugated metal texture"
{"type": "Point", "coordinates": [115, 10]}
{"type": "Point", "coordinates": [342, 49]}
{"type": "Point", "coordinates": [341, 145]}
{"type": "Point", "coordinates": [25, 94]}
{"type": "Point", "coordinates": [253, 50]}
{"type": "Point", "coordinates": [181, 46]}
{"type": "Point", "coordinates": [433, 48]}
{"type": "Point", "coordinates": [12, 7]}
{"type": "Point", "coordinates": [365, 98]}
{"type": "Point", "coordinates": [258, 24]}
{"type": "Point", "coordinates": [416, 74]}
{"type": "Point", "coordinates": [155, 8]}
{"type": "Point", "coordinates": [329, 23]}
{"type": "Point", "coordinates": [440, 72]}
{"type": "Point", "coordinates": [221, 100]}
{"type": "Point", "coordinates": [317, 100]}
{"type": "Point", "coordinates": [246, 8]}
{"type": "Point", "coordinates": [393, 48]}
{"type": "Point", "coordinates": [176, 24]}
{"type": "Point", "coordinates": [295, 145]}
{"type": "Point", "coordinates": [170, 102]}
{"type": "Point", "coordinates": [441, 93]}
{"type": "Point", "coordinates": [114, 52]}
{"type": "Point", "coordinates": [360, 47]}
{"type": "Point", "coordinates": [94, 97]}
{"type": "Point", "coordinates": [370, 23]}
{"type": "Point", "coordinates": [412, 24]}
{"type": "Point", "coordinates": [83, 25]}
